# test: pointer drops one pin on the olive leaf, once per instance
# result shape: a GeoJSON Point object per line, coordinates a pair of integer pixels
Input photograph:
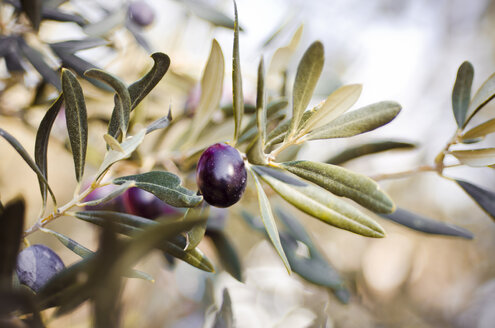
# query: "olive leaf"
{"type": "Point", "coordinates": [226, 252]}
{"type": "Point", "coordinates": [461, 94]}
{"type": "Point", "coordinates": [238, 98]}
{"type": "Point", "coordinates": [480, 131]}
{"type": "Point", "coordinates": [29, 161]}
{"type": "Point", "coordinates": [115, 193]}
{"type": "Point", "coordinates": [475, 157]}
{"type": "Point", "coordinates": [261, 110]}
{"type": "Point", "coordinates": [320, 204]}
{"type": "Point", "coordinates": [224, 317]}
{"type": "Point", "coordinates": [196, 234]}
{"type": "Point", "coordinates": [358, 121]}
{"type": "Point", "coordinates": [281, 58]}
{"type": "Point", "coordinates": [77, 120]}
{"type": "Point", "coordinates": [269, 221]}
{"type": "Point", "coordinates": [12, 222]}
{"type": "Point", "coordinates": [367, 149]}
{"type": "Point", "coordinates": [308, 73]}
{"type": "Point", "coordinates": [72, 46]}
{"type": "Point", "coordinates": [343, 182]}
{"type": "Point", "coordinates": [122, 108]}
{"type": "Point", "coordinates": [484, 198]}
{"type": "Point", "coordinates": [33, 8]}
{"type": "Point", "coordinates": [41, 143]}
{"type": "Point", "coordinates": [484, 94]}
{"type": "Point", "coordinates": [426, 225]}
{"type": "Point", "coordinates": [160, 123]}
{"type": "Point", "coordinates": [165, 186]}
{"type": "Point", "coordinates": [209, 13]}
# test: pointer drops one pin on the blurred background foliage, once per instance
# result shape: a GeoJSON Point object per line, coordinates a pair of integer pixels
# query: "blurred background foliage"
{"type": "Point", "coordinates": [407, 51]}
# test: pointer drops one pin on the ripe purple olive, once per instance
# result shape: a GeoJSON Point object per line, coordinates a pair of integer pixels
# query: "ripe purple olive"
{"type": "Point", "coordinates": [141, 13]}
{"type": "Point", "coordinates": [221, 175]}
{"type": "Point", "coordinates": [142, 203]}
{"type": "Point", "coordinates": [36, 265]}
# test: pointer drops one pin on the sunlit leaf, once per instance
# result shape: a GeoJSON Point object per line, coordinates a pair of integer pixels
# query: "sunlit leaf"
{"type": "Point", "coordinates": [461, 95]}
{"type": "Point", "coordinates": [41, 143]}
{"type": "Point", "coordinates": [308, 73]}
{"type": "Point", "coordinates": [12, 223]}
{"type": "Point", "coordinates": [484, 94]}
{"type": "Point", "coordinates": [480, 131]}
{"type": "Point", "coordinates": [269, 221]}
{"type": "Point", "coordinates": [475, 157]}
{"type": "Point", "coordinates": [357, 121]}
{"type": "Point", "coordinates": [367, 149]}
{"type": "Point", "coordinates": [36, 59]}
{"type": "Point", "coordinates": [224, 317]}
{"type": "Point", "coordinates": [484, 198]}
{"type": "Point", "coordinates": [282, 56]}
{"type": "Point", "coordinates": [426, 225]}
{"type": "Point", "coordinates": [226, 252]}
{"type": "Point", "coordinates": [77, 120]}
{"type": "Point", "coordinates": [343, 182]}
{"type": "Point", "coordinates": [238, 97]}
{"type": "Point", "coordinates": [32, 8]}
{"type": "Point", "coordinates": [320, 204]}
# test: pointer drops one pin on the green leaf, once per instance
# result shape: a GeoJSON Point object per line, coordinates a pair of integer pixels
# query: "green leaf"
{"type": "Point", "coordinates": [226, 252]}
{"type": "Point", "coordinates": [107, 23]}
{"type": "Point", "coordinates": [461, 94]}
{"type": "Point", "coordinates": [269, 221]}
{"type": "Point", "coordinates": [480, 131]}
{"type": "Point", "coordinates": [282, 56]}
{"type": "Point", "coordinates": [36, 59]}
{"type": "Point", "coordinates": [165, 186]}
{"type": "Point", "coordinates": [254, 152]}
{"type": "Point", "coordinates": [29, 161]}
{"type": "Point", "coordinates": [367, 149]}
{"type": "Point", "coordinates": [261, 110]}
{"type": "Point", "coordinates": [484, 94]}
{"type": "Point", "coordinates": [343, 182]}
{"type": "Point", "coordinates": [211, 90]}
{"type": "Point", "coordinates": [224, 317]}
{"type": "Point", "coordinates": [336, 104]}
{"type": "Point", "coordinates": [320, 204]}
{"type": "Point", "coordinates": [115, 193]}
{"type": "Point", "coordinates": [475, 157]}
{"type": "Point", "coordinates": [33, 8]}
{"type": "Point", "coordinates": [77, 120]}
{"type": "Point", "coordinates": [41, 143]}
{"type": "Point", "coordinates": [238, 97]}
{"type": "Point", "coordinates": [358, 121]}
{"type": "Point", "coordinates": [12, 222]}
{"type": "Point", "coordinates": [308, 73]}
{"type": "Point", "coordinates": [196, 234]}
{"type": "Point", "coordinates": [72, 46]}
{"type": "Point", "coordinates": [484, 198]}
{"type": "Point", "coordinates": [426, 225]}
{"type": "Point", "coordinates": [160, 123]}
{"type": "Point", "coordinates": [122, 108]}
{"type": "Point", "coordinates": [209, 13]}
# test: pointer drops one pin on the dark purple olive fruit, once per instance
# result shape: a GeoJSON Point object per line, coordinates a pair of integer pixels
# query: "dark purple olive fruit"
{"type": "Point", "coordinates": [116, 204]}
{"type": "Point", "coordinates": [36, 265]}
{"type": "Point", "coordinates": [221, 175]}
{"type": "Point", "coordinates": [141, 13]}
{"type": "Point", "coordinates": [142, 203]}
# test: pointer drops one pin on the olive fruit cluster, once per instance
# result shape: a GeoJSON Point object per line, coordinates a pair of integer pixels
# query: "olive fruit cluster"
{"type": "Point", "coordinates": [221, 175]}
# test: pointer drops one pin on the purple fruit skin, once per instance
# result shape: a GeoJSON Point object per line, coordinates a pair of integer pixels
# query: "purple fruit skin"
{"type": "Point", "coordinates": [142, 203]}
{"type": "Point", "coordinates": [221, 175]}
{"type": "Point", "coordinates": [141, 13]}
{"type": "Point", "coordinates": [36, 265]}
{"type": "Point", "coordinates": [116, 204]}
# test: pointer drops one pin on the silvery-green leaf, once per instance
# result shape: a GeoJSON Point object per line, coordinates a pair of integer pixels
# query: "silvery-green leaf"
{"type": "Point", "coordinates": [261, 110]}
{"type": "Point", "coordinates": [238, 97]}
{"type": "Point", "coordinates": [282, 56]}
{"type": "Point", "coordinates": [484, 198]}
{"type": "Point", "coordinates": [196, 234]}
{"type": "Point", "coordinates": [136, 32]}
{"type": "Point", "coordinates": [226, 252]}
{"type": "Point", "coordinates": [461, 94]}
{"type": "Point", "coordinates": [106, 24]}
{"type": "Point", "coordinates": [224, 317]}
{"type": "Point", "coordinates": [254, 152]}
{"type": "Point", "coordinates": [475, 157]}
{"type": "Point", "coordinates": [41, 143]}
{"type": "Point", "coordinates": [115, 193]}
{"type": "Point", "coordinates": [308, 73]}
{"type": "Point", "coordinates": [211, 90]}
{"type": "Point", "coordinates": [480, 131]}
{"type": "Point", "coordinates": [367, 149]}
{"type": "Point", "coordinates": [336, 104]}
{"type": "Point", "coordinates": [160, 123]}
{"type": "Point", "coordinates": [33, 8]}
{"type": "Point", "coordinates": [165, 186]}
{"type": "Point", "coordinates": [72, 46]}
{"type": "Point", "coordinates": [25, 156]}
{"type": "Point", "coordinates": [269, 221]}
{"type": "Point", "coordinates": [77, 120]}
{"type": "Point", "coordinates": [36, 59]}
{"type": "Point", "coordinates": [426, 225]}
{"type": "Point", "coordinates": [321, 204]}
{"type": "Point", "coordinates": [484, 94]}
{"type": "Point", "coordinates": [209, 13]}
{"type": "Point", "coordinates": [60, 16]}
{"type": "Point", "coordinates": [113, 143]}
{"type": "Point", "coordinates": [357, 121]}
{"type": "Point", "coordinates": [343, 182]}
{"type": "Point", "coordinates": [12, 222]}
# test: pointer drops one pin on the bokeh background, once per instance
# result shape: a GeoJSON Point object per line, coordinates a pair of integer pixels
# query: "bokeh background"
{"type": "Point", "coordinates": [407, 51]}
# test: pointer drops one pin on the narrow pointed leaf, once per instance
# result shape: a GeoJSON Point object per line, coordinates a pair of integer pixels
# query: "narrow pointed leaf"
{"type": "Point", "coordinates": [321, 204]}
{"type": "Point", "coordinates": [254, 152]}
{"type": "Point", "coordinates": [484, 198]}
{"type": "Point", "coordinates": [113, 143]}
{"type": "Point", "coordinates": [33, 9]}
{"type": "Point", "coordinates": [122, 108]}
{"type": "Point", "coordinates": [282, 56]}
{"type": "Point", "coordinates": [367, 149]}
{"type": "Point", "coordinates": [224, 317]}
{"type": "Point", "coordinates": [238, 97]}
{"type": "Point", "coordinates": [196, 234]}
{"type": "Point", "coordinates": [160, 123]}
{"type": "Point", "coordinates": [343, 182]}
{"type": "Point", "coordinates": [261, 110]}
{"type": "Point", "coordinates": [60, 16]}
{"type": "Point", "coordinates": [36, 59]}
{"type": "Point", "coordinates": [308, 73]}
{"type": "Point", "coordinates": [269, 221]}
{"type": "Point", "coordinates": [461, 95]}
{"type": "Point", "coordinates": [25, 156]}
{"type": "Point", "coordinates": [480, 131]}
{"type": "Point", "coordinates": [41, 143]}
{"type": "Point", "coordinates": [336, 104]}
{"type": "Point", "coordinates": [484, 94]}
{"type": "Point", "coordinates": [226, 252]}
{"type": "Point", "coordinates": [475, 157]}
{"type": "Point", "coordinates": [210, 13]}
{"type": "Point", "coordinates": [115, 193]}
{"type": "Point", "coordinates": [358, 121]}
{"type": "Point", "coordinates": [165, 186]}
{"type": "Point", "coordinates": [72, 46]}
{"type": "Point", "coordinates": [12, 223]}
{"type": "Point", "coordinates": [77, 120]}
